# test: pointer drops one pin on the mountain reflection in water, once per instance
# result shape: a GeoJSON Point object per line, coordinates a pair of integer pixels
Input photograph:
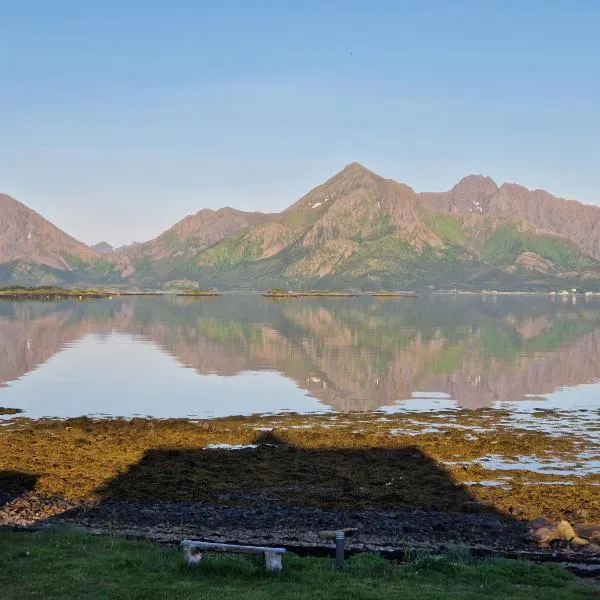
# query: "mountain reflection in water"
{"type": "Point", "coordinates": [349, 354]}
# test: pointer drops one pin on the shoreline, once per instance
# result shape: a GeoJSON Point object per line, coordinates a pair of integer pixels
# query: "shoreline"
{"type": "Point", "coordinates": [415, 479]}
{"type": "Point", "coordinates": [76, 294]}
{"type": "Point", "coordinates": [324, 294]}
{"type": "Point", "coordinates": [306, 531]}
{"type": "Point", "coordinates": [198, 294]}
{"type": "Point", "coordinates": [53, 294]}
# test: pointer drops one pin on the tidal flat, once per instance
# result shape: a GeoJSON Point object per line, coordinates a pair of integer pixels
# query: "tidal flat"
{"type": "Point", "coordinates": [411, 478]}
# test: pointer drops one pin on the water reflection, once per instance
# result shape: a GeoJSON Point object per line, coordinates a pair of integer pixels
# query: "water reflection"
{"type": "Point", "coordinates": [123, 356]}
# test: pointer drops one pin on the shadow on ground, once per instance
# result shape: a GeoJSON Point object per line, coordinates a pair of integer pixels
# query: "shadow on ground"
{"type": "Point", "coordinates": [276, 493]}
{"type": "Point", "coordinates": [14, 484]}
{"type": "Point", "coordinates": [275, 472]}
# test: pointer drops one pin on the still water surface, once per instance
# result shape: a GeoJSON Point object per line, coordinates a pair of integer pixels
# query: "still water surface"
{"type": "Point", "coordinates": [243, 354]}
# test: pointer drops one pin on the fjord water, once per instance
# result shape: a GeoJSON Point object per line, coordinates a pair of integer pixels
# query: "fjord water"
{"type": "Point", "coordinates": [242, 354]}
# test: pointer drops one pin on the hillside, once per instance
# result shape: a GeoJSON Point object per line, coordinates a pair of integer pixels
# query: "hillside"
{"type": "Point", "coordinates": [173, 254]}
{"type": "Point", "coordinates": [476, 194]}
{"type": "Point", "coordinates": [357, 230]}
{"type": "Point", "coordinates": [33, 250]}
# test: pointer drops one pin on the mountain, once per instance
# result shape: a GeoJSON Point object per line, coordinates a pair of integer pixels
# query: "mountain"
{"type": "Point", "coordinates": [358, 231]}
{"type": "Point", "coordinates": [33, 250]}
{"type": "Point", "coordinates": [173, 253]}
{"type": "Point", "coordinates": [476, 194]}
{"type": "Point", "coordinates": [27, 236]}
{"type": "Point", "coordinates": [102, 248]}
{"type": "Point", "coordinates": [361, 231]}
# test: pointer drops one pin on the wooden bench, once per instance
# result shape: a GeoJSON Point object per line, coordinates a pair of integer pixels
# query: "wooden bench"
{"type": "Point", "coordinates": [193, 550]}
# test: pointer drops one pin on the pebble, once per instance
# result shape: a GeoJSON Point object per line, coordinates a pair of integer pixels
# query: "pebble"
{"type": "Point", "coordinates": [301, 526]}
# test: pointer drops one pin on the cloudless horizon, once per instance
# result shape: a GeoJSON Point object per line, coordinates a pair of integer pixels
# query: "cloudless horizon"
{"type": "Point", "coordinates": [117, 119]}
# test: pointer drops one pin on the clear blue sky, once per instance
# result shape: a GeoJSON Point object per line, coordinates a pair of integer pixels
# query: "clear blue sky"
{"type": "Point", "coordinates": [118, 118]}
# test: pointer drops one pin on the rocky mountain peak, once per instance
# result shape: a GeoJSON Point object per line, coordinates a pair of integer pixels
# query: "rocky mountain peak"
{"type": "Point", "coordinates": [103, 248]}
{"type": "Point", "coordinates": [470, 195]}
{"type": "Point", "coordinates": [26, 236]}
{"type": "Point", "coordinates": [513, 187]}
{"type": "Point", "coordinates": [356, 167]}
{"type": "Point", "coordinates": [355, 172]}
{"type": "Point", "coordinates": [478, 185]}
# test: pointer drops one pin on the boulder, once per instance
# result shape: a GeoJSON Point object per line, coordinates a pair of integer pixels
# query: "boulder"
{"type": "Point", "coordinates": [589, 531]}
{"type": "Point", "coordinates": [577, 541]}
{"type": "Point", "coordinates": [547, 533]}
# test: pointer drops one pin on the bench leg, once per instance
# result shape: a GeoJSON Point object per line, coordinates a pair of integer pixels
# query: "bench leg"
{"type": "Point", "coordinates": [273, 561]}
{"type": "Point", "coordinates": [192, 556]}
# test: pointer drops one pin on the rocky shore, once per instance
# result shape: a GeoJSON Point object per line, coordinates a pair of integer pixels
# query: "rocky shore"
{"type": "Point", "coordinates": [404, 483]}
{"type": "Point", "coordinates": [397, 534]}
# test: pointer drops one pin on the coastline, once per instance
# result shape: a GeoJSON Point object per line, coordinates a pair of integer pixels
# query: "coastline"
{"type": "Point", "coordinates": [285, 478]}
{"type": "Point", "coordinates": [54, 293]}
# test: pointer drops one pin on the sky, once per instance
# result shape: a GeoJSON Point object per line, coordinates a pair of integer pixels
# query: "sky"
{"type": "Point", "coordinates": [118, 118]}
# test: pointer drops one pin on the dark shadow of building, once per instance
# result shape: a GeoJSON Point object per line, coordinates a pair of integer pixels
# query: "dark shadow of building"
{"type": "Point", "coordinates": [277, 493]}
{"type": "Point", "coordinates": [14, 484]}
{"type": "Point", "coordinates": [274, 473]}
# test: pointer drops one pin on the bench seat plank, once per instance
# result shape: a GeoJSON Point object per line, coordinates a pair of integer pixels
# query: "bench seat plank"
{"type": "Point", "coordinates": [217, 547]}
{"type": "Point", "coordinates": [193, 552]}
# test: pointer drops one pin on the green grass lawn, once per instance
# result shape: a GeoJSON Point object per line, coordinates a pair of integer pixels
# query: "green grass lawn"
{"type": "Point", "coordinates": [61, 563]}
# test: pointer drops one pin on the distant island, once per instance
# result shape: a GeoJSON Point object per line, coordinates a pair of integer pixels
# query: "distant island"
{"type": "Point", "coordinates": [386, 294]}
{"type": "Point", "coordinates": [16, 292]}
{"type": "Point", "coordinates": [10, 411]}
{"type": "Point", "coordinates": [277, 293]}
{"type": "Point", "coordinates": [200, 293]}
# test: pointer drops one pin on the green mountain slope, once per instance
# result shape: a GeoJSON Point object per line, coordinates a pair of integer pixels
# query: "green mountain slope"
{"type": "Point", "coordinates": [360, 231]}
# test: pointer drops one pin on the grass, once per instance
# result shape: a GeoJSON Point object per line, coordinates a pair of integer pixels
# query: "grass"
{"type": "Point", "coordinates": [508, 242]}
{"type": "Point", "coordinates": [449, 228]}
{"type": "Point", "coordinates": [63, 563]}
{"type": "Point", "coordinates": [231, 252]}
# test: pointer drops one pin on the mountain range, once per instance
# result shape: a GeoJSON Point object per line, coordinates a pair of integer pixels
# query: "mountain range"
{"type": "Point", "coordinates": [355, 231]}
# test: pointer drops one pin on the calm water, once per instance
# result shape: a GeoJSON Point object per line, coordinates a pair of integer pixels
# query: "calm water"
{"type": "Point", "coordinates": [243, 354]}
